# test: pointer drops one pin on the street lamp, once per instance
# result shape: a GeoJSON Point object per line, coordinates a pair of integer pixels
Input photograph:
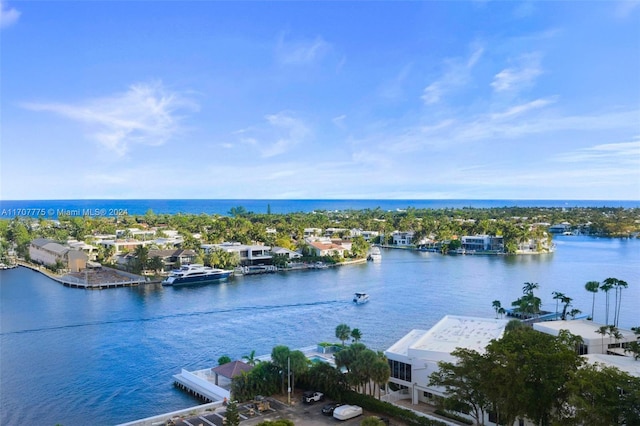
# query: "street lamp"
{"type": "Point", "coordinates": [289, 380]}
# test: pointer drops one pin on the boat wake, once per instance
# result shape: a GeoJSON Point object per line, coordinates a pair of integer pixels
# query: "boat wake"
{"type": "Point", "coordinates": [176, 315]}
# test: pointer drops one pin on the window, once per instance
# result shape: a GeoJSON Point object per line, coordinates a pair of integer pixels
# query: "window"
{"type": "Point", "coordinates": [583, 349]}
{"type": "Point", "coordinates": [400, 370]}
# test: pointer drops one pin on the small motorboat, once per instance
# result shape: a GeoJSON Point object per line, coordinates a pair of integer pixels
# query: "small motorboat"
{"type": "Point", "coordinates": [360, 298]}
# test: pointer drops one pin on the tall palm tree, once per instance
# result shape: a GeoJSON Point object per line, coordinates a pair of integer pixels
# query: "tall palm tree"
{"type": "Point", "coordinates": [619, 286]}
{"type": "Point", "coordinates": [606, 286]}
{"type": "Point", "coordinates": [557, 296]}
{"type": "Point", "coordinates": [602, 330]}
{"type": "Point", "coordinates": [356, 335]}
{"type": "Point", "coordinates": [592, 286]}
{"type": "Point", "coordinates": [496, 306]}
{"type": "Point", "coordinates": [566, 300]}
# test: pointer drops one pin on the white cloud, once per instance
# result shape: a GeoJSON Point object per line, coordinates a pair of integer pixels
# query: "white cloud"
{"type": "Point", "coordinates": [617, 153]}
{"type": "Point", "coordinates": [522, 108]}
{"type": "Point", "coordinates": [146, 114]}
{"type": "Point", "coordinates": [457, 75]}
{"type": "Point", "coordinates": [301, 52]}
{"type": "Point", "coordinates": [281, 132]}
{"type": "Point", "coordinates": [339, 121]}
{"type": "Point", "coordinates": [8, 15]}
{"type": "Point", "coordinates": [520, 76]}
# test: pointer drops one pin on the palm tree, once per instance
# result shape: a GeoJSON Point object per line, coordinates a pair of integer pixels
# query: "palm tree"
{"type": "Point", "coordinates": [619, 286]}
{"type": "Point", "coordinates": [606, 286]}
{"type": "Point", "coordinates": [251, 358]}
{"type": "Point", "coordinates": [529, 287]}
{"type": "Point", "coordinates": [343, 332]}
{"type": "Point", "coordinates": [602, 330]}
{"type": "Point", "coordinates": [592, 286]}
{"type": "Point", "coordinates": [557, 296]}
{"type": "Point", "coordinates": [356, 335]}
{"type": "Point", "coordinates": [566, 300]}
{"type": "Point", "coordinates": [496, 306]}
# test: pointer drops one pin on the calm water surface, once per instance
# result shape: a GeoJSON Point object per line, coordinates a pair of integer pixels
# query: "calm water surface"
{"type": "Point", "coordinates": [76, 357]}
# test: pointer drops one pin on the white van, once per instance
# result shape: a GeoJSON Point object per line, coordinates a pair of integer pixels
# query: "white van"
{"type": "Point", "coordinates": [346, 412]}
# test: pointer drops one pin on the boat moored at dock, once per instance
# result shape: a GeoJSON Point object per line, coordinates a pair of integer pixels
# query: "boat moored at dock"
{"type": "Point", "coordinates": [195, 274]}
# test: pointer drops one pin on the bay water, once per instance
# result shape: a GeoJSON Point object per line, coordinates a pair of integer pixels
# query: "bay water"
{"type": "Point", "coordinates": [103, 357]}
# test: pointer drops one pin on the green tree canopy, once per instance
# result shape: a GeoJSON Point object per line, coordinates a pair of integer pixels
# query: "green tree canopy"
{"type": "Point", "coordinates": [342, 332]}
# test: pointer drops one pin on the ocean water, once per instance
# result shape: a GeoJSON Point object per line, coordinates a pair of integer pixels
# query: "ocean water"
{"type": "Point", "coordinates": [78, 357]}
{"type": "Point", "coordinates": [53, 208]}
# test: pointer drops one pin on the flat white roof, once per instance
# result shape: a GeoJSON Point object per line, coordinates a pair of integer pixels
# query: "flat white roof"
{"type": "Point", "coordinates": [583, 328]}
{"type": "Point", "coordinates": [623, 363]}
{"type": "Point", "coordinates": [449, 333]}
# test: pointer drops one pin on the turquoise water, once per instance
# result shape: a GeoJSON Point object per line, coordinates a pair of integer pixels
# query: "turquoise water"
{"type": "Point", "coordinates": [78, 357]}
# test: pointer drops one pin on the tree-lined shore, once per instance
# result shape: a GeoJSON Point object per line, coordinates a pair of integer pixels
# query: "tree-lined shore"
{"type": "Point", "coordinates": [514, 224]}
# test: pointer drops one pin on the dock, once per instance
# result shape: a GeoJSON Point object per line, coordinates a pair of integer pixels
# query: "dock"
{"type": "Point", "coordinates": [90, 280]}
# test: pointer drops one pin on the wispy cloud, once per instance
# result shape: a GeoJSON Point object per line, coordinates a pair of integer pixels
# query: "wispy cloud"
{"type": "Point", "coordinates": [281, 132]}
{"type": "Point", "coordinates": [457, 74]}
{"type": "Point", "coordinates": [622, 152]}
{"type": "Point", "coordinates": [145, 114]}
{"type": "Point", "coordinates": [393, 89]}
{"type": "Point", "coordinates": [522, 109]}
{"type": "Point", "coordinates": [301, 52]}
{"type": "Point", "coordinates": [520, 76]}
{"type": "Point", "coordinates": [8, 15]}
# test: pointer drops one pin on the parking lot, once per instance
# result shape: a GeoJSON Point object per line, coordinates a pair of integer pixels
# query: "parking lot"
{"type": "Point", "coordinates": [299, 413]}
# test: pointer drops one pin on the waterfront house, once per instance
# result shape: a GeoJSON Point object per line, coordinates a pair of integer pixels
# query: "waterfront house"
{"type": "Point", "coordinates": [48, 252]}
{"type": "Point", "coordinates": [402, 238]}
{"type": "Point", "coordinates": [90, 250]}
{"type": "Point", "coordinates": [121, 246]}
{"type": "Point", "coordinates": [289, 254]}
{"type": "Point", "coordinates": [248, 254]}
{"type": "Point", "coordinates": [173, 258]}
{"type": "Point", "coordinates": [324, 248]}
{"type": "Point", "coordinates": [416, 355]}
{"type": "Point", "coordinates": [482, 243]}
{"type": "Point", "coordinates": [367, 235]}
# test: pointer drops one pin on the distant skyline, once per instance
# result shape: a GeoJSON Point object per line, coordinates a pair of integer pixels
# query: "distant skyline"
{"type": "Point", "coordinates": [320, 100]}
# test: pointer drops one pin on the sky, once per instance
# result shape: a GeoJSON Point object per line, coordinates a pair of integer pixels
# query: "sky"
{"type": "Point", "coordinates": [320, 100]}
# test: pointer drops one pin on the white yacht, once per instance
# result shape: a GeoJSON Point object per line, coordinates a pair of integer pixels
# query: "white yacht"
{"type": "Point", "coordinates": [195, 274]}
{"type": "Point", "coordinates": [375, 255]}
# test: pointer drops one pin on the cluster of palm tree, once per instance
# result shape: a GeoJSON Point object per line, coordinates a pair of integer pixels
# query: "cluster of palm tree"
{"type": "Point", "coordinates": [357, 368]}
{"type": "Point", "coordinates": [366, 370]}
{"type": "Point", "coordinates": [343, 332]}
{"type": "Point", "coordinates": [606, 286]}
{"type": "Point", "coordinates": [529, 304]}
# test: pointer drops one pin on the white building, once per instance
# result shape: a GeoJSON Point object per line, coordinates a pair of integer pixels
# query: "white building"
{"type": "Point", "coordinates": [482, 243]}
{"type": "Point", "coordinates": [248, 254]}
{"type": "Point", "coordinates": [402, 238]}
{"type": "Point", "coordinates": [48, 252]}
{"type": "Point", "coordinates": [593, 341]}
{"type": "Point", "coordinates": [415, 356]}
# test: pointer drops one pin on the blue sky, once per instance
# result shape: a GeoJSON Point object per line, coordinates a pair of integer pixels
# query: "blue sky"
{"type": "Point", "coordinates": [397, 100]}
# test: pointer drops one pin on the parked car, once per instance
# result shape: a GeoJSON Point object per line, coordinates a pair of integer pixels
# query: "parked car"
{"type": "Point", "coordinates": [346, 412]}
{"type": "Point", "coordinates": [311, 396]}
{"type": "Point", "coordinates": [327, 410]}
